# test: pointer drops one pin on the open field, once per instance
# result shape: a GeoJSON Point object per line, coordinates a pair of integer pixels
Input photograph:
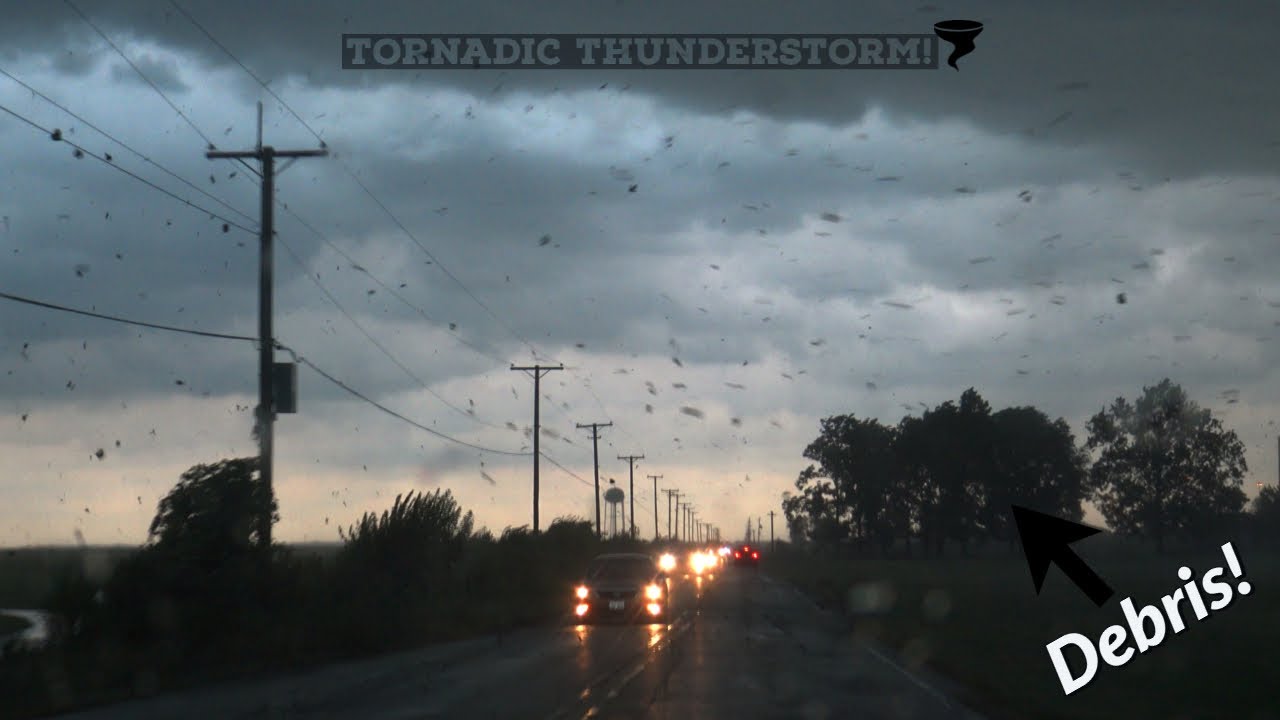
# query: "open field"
{"type": "Point", "coordinates": [978, 621]}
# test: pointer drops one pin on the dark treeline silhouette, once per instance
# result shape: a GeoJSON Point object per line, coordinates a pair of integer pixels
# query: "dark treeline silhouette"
{"type": "Point", "coordinates": [204, 598]}
{"type": "Point", "coordinates": [1160, 468]}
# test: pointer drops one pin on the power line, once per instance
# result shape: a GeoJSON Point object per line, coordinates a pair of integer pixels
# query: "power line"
{"type": "Point", "coordinates": [125, 145]}
{"type": "Point", "coordinates": [369, 336]}
{"type": "Point", "coordinates": [60, 138]}
{"type": "Point", "coordinates": [303, 361]}
{"type": "Point", "coordinates": [126, 321]}
{"type": "Point", "coordinates": [223, 48]}
{"type": "Point", "coordinates": [358, 267]}
{"type": "Point", "coordinates": [148, 81]}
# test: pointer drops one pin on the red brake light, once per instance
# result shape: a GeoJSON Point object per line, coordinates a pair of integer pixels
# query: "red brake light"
{"type": "Point", "coordinates": [755, 555]}
{"type": "Point", "coordinates": [737, 554]}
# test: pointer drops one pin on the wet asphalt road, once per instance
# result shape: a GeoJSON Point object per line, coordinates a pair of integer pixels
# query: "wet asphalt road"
{"type": "Point", "coordinates": [740, 646]}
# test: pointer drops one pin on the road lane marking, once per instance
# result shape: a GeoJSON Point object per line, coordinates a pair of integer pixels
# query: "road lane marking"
{"type": "Point", "coordinates": [680, 628]}
{"type": "Point", "coordinates": [910, 676]}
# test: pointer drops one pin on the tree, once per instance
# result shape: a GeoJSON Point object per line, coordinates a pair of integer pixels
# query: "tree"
{"type": "Point", "coordinates": [214, 512]}
{"type": "Point", "coordinates": [944, 457]}
{"type": "Point", "coordinates": [1265, 515]}
{"type": "Point", "coordinates": [857, 455]}
{"type": "Point", "coordinates": [1165, 465]}
{"type": "Point", "coordinates": [1035, 463]}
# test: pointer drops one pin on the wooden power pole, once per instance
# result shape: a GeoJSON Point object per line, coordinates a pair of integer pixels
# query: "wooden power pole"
{"type": "Point", "coordinates": [537, 371]}
{"type": "Point", "coordinates": [266, 410]}
{"type": "Point", "coordinates": [595, 447]}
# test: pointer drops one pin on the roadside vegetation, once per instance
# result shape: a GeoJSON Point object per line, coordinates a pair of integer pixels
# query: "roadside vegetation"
{"type": "Point", "coordinates": [204, 599]}
{"type": "Point", "coordinates": [906, 531]}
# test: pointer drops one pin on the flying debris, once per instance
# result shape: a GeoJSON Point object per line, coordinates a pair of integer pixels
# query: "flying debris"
{"type": "Point", "coordinates": [787, 376]}
{"type": "Point", "coordinates": [735, 386]}
{"type": "Point", "coordinates": [736, 422]}
{"type": "Point", "coordinates": [82, 270]}
{"type": "Point", "coordinates": [818, 342]}
{"type": "Point", "coordinates": [100, 453]}
{"type": "Point", "coordinates": [965, 190]}
{"type": "Point", "coordinates": [830, 217]}
{"type": "Point", "coordinates": [676, 360]}
{"type": "Point", "coordinates": [485, 475]}
{"type": "Point", "coordinates": [1122, 298]}
{"type": "Point", "coordinates": [888, 178]}
{"type": "Point", "coordinates": [1025, 196]}
{"type": "Point", "coordinates": [871, 385]}
{"type": "Point", "coordinates": [679, 386]}
{"type": "Point", "coordinates": [648, 408]}
{"type": "Point", "coordinates": [544, 241]}
{"type": "Point", "coordinates": [691, 412]}
{"type": "Point", "coordinates": [1017, 311]}
{"type": "Point", "coordinates": [980, 260]}
{"type": "Point", "coordinates": [899, 305]}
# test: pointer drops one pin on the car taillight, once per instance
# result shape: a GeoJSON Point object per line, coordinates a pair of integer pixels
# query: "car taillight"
{"type": "Point", "coordinates": [755, 555]}
{"type": "Point", "coordinates": [737, 554]}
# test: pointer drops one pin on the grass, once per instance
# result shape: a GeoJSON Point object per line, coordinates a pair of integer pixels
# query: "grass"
{"type": "Point", "coordinates": [978, 621]}
{"type": "Point", "coordinates": [27, 575]}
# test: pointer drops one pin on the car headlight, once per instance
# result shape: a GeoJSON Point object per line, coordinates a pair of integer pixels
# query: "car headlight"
{"type": "Point", "coordinates": [582, 592]}
{"type": "Point", "coordinates": [667, 562]}
{"type": "Point", "coordinates": [653, 592]}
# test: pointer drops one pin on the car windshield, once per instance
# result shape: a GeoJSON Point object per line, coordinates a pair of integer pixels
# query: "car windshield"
{"type": "Point", "coordinates": [621, 569]}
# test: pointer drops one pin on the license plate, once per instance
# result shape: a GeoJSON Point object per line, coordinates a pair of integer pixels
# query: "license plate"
{"type": "Point", "coordinates": [617, 604]}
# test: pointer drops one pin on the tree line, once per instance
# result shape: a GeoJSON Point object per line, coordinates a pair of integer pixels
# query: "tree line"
{"type": "Point", "coordinates": [206, 597]}
{"type": "Point", "coordinates": [1159, 467]}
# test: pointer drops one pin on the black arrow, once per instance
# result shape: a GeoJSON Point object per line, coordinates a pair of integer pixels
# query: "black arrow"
{"type": "Point", "coordinates": [1045, 539]}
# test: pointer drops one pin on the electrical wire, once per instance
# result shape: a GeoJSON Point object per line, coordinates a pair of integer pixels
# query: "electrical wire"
{"type": "Point", "coordinates": [297, 358]}
{"type": "Point", "coordinates": [135, 176]}
{"type": "Point", "coordinates": [116, 318]}
{"type": "Point", "coordinates": [125, 145]}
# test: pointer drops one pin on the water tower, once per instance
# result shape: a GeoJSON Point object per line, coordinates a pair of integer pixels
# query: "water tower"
{"type": "Point", "coordinates": [614, 497]}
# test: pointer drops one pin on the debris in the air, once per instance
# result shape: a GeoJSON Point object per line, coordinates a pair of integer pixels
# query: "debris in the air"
{"type": "Point", "coordinates": [78, 153]}
{"type": "Point", "coordinates": [679, 386]}
{"type": "Point", "coordinates": [485, 475]}
{"type": "Point", "coordinates": [1025, 196]}
{"type": "Point", "coordinates": [1122, 298]}
{"type": "Point", "coordinates": [179, 382]}
{"type": "Point", "coordinates": [900, 305]}
{"type": "Point", "coordinates": [580, 346]}
{"type": "Point", "coordinates": [56, 135]}
{"type": "Point", "coordinates": [82, 270]}
{"type": "Point", "coordinates": [71, 385]}
{"type": "Point", "coordinates": [715, 267]}
{"type": "Point", "coordinates": [818, 342]}
{"type": "Point", "coordinates": [632, 188]}
{"type": "Point", "coordinates": [650, 387]}
{"type": "Point", "coordinates": [676, 360]}
{"type": "Point", "coordinates": [830, 217]}
{"type": "Point", "coordinates": [100, 453]}
{"type": "Point", "coordinates": [980, 260]}
{"type": "Point", "coordinates": [691, 411]}
{"type": "Point", "coordinates": [871, 385]}
{"type": "Point", "coordinates": [453, 326]}
{"type": "Point", "coordinates": [1141, 265]}
{"type": "Point", "coordinates": [735, 386]}
{"type": "Point", "coordinates": [544, 241]}
{"type": "Point", "coordinates": [787, 376]}
{"type": "Point", "coordinates": [736, 422]}
{"type": "Point", "coordinates": [1017, 311]}
{"type": "Point", "coordinates": [964, 190]}
{"type": "Point", "coordinates": [648, 408]}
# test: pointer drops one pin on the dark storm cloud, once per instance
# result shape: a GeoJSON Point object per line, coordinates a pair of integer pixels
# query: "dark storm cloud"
{"type": "Point", "coordinates": [1134, 78]}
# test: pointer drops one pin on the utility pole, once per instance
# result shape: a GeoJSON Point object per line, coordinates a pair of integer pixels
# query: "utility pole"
{"type": "Point", "coordinates": [656, 533]}
{"type": "Point", "coordinates": [759, 528]}
{"type": "Point", "coordinates": [631, 461]}
{"type": "Point", "coordinates": [670, 493]}
{"type": "Point", "coordinates": [266, 410]}
{"type": "Point", "coordinates": [595, 449]}
{"type": "Point", "coordinates": [772, 544]}
{"type": "Point", "coordinates": [536, 371]}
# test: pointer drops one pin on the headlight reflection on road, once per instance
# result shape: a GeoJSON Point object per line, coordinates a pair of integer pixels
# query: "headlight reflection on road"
{"type": "Point", "coordinates": [655, 633]}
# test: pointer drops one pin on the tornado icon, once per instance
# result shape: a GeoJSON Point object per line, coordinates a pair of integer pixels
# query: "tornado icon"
{"type": "Point", "coordinates": [960, 33]}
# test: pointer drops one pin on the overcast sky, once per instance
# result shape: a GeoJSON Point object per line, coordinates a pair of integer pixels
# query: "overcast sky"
{"type": "Point", "coordinates": [797, 244]}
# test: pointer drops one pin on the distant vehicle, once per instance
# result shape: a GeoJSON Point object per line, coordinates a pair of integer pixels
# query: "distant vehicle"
{"type": "Point", "coordinates": [746, 555]}
{"type": "Point", "coordinates": [626, 587]}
